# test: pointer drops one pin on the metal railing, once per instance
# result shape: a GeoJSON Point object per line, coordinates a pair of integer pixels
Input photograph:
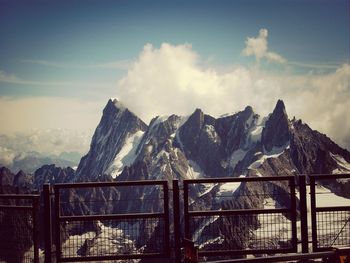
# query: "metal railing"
{"type": "Point", "coordinates": [331, 219]}
{"type": "Point", "coordinates": [88, 230]}
{"type": "Point", "coordinates": [258, 216]}
{"type": "Point", "coordinates": [224, 217]}
{"type": "Point", "coordinates": [19, 215]}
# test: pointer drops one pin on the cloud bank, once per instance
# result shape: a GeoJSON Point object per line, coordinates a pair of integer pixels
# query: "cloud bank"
{"type": "Point", "coordinates": [171, 79]}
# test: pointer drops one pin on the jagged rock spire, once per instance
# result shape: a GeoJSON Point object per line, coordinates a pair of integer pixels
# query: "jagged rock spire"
{"type": "Point", "coordinates": [276, 132]}
{"type": "Point", "coordinates": [116, 125]}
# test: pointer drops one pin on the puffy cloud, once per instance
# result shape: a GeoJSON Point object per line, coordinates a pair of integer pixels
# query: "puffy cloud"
{"type": "Point", "coordinates": [170, 79]}
{"type": "Point", "coordinates": [258, 47]}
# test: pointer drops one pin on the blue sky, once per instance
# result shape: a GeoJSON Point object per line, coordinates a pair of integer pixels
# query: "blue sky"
{"type": "Point", "coordinates": [79, 51]}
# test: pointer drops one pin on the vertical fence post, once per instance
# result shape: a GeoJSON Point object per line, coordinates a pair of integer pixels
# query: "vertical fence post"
{"type": "Point", "coordinates": [177, 231]}
{"type": "Point", "coordinates": [186, 216]}
{"type": "Point", "coordinates": [47, 223]}
{"type": "Point", "coordinates": [35, 201]}
{"type": "Point", "coordinates": [303, 214]}
{"type": "Point", "coordinates": [293, 213]}
{"type": "Point", "coordinates": [57, 222]}
{"type": "Point", "coordinates": [313, 213]}
{"type": "Point", "coordinates": [166, 219]}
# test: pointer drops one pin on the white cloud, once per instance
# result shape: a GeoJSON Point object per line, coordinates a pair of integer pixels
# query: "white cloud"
{"type": "Point", "coordinates": [170, 79]}
{"type": "Point", "coordinates": [258, 47]}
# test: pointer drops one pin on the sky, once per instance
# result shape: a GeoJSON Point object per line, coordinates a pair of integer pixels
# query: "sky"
{"type": "Point", "coordinates": [60, 61]}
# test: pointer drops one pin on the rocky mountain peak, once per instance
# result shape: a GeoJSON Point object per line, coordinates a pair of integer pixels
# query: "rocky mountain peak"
{"type": "Point", "coordinates": [116, 126]}
{"type": "Point", "coordinates": [234, 129]}
{"type": "Point", "coordinates": [157, 135]}
{"type": "Point", "coordinates": [11, 183]}
{"type": "Point", "coordinates": [280, 107]}
{"type": "Point", "coordinates": [23, 180]}
{"type": "Point", "coordinates": [52, 174]}
{"type": "Point", "coordinates": [248, 110]}
{"type": "Point", "coordinates": [190, 131]}
{"type": "Point", "coordinates": [314, 152]}
{"type": "Point", "coordinates": [276, 132]}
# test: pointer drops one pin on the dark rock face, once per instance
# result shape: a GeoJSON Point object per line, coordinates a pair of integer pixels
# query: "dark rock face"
{"type": "Point", "coordinates": [116, 125]}
{"type": "Point", "coordinates": [276, 132]}
{"type": "Point", "coordinates": [11, 183]}
{"type": "Point", "coordinates": [52, 174]}
{"type": "Point", "coordinates": [201, 143]}
{"type": "Point", "coordinates": [311, 151]}
{"type": "Point", "coordinates": [234, 129]}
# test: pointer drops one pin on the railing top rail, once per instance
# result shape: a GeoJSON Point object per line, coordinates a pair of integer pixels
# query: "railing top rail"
{"type": "Point", "coordinates": [112, 216]}
{"type": "Point", "coordinates": [238, 212]}
{"type": "Point", "coordinates": [19, 196]}
{"type": "Point", "coordinates": [110, 184]}
{"type": "Point", "coordinates": [238, 179]}
{"type": "Point", "coordinates": [295, 256]}
{"type": "Point", "coordinates": [332, 208]}
{"type": "Point", "coordinates": [329, 176]}
{"type": "Point", "coordinates": [16, 207]}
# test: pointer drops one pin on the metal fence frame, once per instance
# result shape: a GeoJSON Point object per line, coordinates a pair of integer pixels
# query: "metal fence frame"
{"type": "Point", "coordinates": [292, 210]}
{"type": "Point", "coordinates": [33, 209]}
{"type": "Point", "coordinates": [52, 217]}
{"type": "Point", "coordinates": [315, 209]}
{"type": "Point", "coordinates": [163, 215]}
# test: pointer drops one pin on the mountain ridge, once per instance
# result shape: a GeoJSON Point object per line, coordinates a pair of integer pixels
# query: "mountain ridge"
{"type": "Point", "coordinates": [215, 147]}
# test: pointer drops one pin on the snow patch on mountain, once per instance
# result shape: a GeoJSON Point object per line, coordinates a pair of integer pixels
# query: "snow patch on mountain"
{"type": "Point", "coordinates": [236, 157]}
{"type": "Point", "coordinates": [343, 165]}
{"type": "Point", "coordinates": [159, 119]}
{"type": "Point", "coordinates": [228, 189]}
{"type": "Point", "coordinates": [109, 240]}
{"type": "Point", "coordinates": [274, 153]}
{"type": "Point", "coordinates": [217, 240]}
{"type": "Point", "coordinates": [206, 188]}
{"type": "Point", "coordinates": [197, 234]}
{"type": "Point", "coordinates": [326, 198]}
{"type": "Point", "coordinates": [194, 171]}
{"type": "Point", "coordinates": [256, 127]}
{"type": "Point", "coordinates": [273, 227]}
{"type": "Point", "coordinates": [210, 130]}
{"type": "Point", "coordinates": [126, 155]}
{"type": "Point", "coordinates": [255, 134]}
{"type": "Point", "coordinates": [75, 241]}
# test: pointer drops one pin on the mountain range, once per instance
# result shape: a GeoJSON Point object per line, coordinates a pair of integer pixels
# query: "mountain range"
{"type": "Point", "coordinates": [200, 146]}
